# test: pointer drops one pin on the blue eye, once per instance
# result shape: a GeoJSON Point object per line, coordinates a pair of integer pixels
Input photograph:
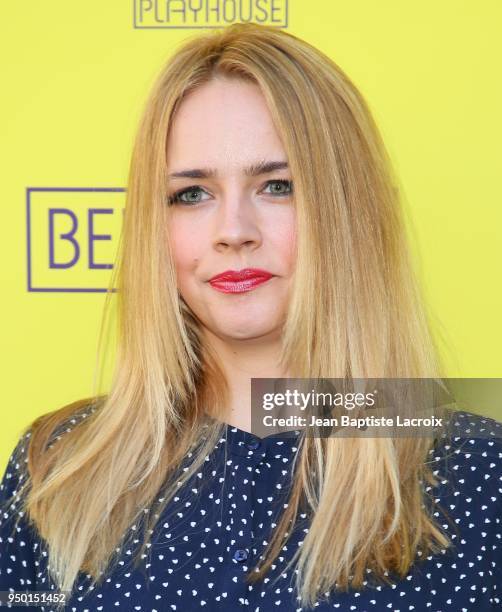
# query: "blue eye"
{"type": "Point", "coordinates": [177, 197]}
{"type": "Point", "coordinates": [193, 192]}
{"type": "Point", "coordinates": [281, 183]}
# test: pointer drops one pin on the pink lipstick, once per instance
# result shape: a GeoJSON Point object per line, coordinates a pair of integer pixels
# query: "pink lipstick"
{"type": "Point", "coordinates": [239, 281]}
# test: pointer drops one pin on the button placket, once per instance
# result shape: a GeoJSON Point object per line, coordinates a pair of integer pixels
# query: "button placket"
{"type": "Point", "coordinates": [236, 529]}
{"type": "Point", "coordinates": [251, 451]}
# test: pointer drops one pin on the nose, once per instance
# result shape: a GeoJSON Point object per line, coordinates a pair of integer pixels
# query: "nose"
{"type": "Point", "coordinates": [236, 224]}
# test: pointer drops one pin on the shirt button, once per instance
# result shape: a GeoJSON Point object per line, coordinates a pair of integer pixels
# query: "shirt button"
{"type": "Point", "coordinates": [253, 445]}
{"type": "Point", "coordinates": [240, 554]}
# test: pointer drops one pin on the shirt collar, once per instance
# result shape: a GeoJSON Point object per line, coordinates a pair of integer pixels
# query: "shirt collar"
{"type": "Point", "coordinates": [244, 443]}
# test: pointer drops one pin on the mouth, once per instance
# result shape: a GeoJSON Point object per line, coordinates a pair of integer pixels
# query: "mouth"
{"type": "Point", "coordinates": [239, 281]}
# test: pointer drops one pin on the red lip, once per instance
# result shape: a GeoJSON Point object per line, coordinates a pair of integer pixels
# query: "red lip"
{"type": "Point", "coordinates": [238, 281]}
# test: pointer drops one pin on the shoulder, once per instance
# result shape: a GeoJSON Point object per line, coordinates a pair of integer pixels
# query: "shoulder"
{"type": "Point", "coordinates": [61, 422]}
{"type": "Point", "coordinates": [473, 436]}
{"type": "Point", "coordinates": [16, 471]}
{"type": "Point", "coordinates": [36, 438]}
{"type": "Point", "coordinates": [468, 459]}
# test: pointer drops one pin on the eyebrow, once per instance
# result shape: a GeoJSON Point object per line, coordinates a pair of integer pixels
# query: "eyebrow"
{"type": "Point", "coordinates": [262, 167]}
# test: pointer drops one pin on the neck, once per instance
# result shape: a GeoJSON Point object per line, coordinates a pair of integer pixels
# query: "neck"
{"type": "Point", "coordinates": [242, 360]}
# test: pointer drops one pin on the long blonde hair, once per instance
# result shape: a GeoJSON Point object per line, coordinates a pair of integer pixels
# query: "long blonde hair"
{"type": "Point", "coordinates": [356, 311]}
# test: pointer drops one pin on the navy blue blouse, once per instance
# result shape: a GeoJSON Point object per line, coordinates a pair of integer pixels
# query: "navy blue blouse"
{"type": "Point", "coordinates": [218, 524]}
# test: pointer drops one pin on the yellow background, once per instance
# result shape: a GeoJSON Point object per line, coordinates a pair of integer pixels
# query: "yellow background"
{"type": "Point", "coordinates": [75, 76]}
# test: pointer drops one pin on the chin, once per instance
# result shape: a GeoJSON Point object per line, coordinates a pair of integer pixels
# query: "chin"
{"type": "Point", "coordinates": [246, 332]}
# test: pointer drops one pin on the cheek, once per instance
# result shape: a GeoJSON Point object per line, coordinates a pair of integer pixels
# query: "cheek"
{"type": "Point", "coordinates": [185, 246]}
{"type": "Point", "coordinates": [285, 242]}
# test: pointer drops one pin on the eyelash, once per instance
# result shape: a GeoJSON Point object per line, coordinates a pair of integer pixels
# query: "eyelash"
{"type": "Point", "coordinates": [175, 198]}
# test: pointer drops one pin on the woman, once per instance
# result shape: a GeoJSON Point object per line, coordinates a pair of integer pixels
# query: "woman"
{"type": "Point", "coordinates": [156, 495]}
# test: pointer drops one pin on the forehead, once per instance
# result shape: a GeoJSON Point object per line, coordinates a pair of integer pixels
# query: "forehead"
{"type": "Point", "coordinates": [223, 123]}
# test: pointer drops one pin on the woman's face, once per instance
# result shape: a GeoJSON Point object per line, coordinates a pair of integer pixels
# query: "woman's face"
{"type": "Point", "coordinates": [226, 217]}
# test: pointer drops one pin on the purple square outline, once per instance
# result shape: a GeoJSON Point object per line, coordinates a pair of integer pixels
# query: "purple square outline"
{"type": "Point", "coordinates": [29, 190]}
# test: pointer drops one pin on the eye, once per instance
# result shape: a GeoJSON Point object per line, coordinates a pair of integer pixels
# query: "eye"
{"type": "Point", "coordinates": [280, 187]}
{"type": "Point", "coordinates": [285, 187]}
{"type": "Point", "coordinates": [192, 192]}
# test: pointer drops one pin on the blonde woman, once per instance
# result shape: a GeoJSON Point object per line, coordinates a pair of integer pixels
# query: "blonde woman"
{"type": "Point", "coordinates": [263, 237]}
